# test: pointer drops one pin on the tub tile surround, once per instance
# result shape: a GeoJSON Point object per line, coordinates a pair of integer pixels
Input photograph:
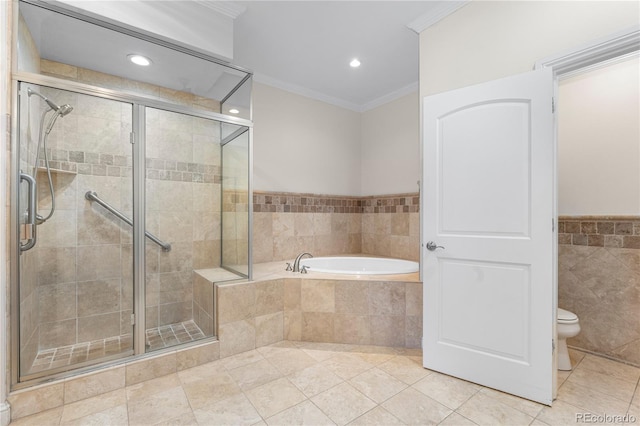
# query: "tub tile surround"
{"type": "Point", "coordinates": [295, 383]}
{"type": "Point", "coordinates": [599, 280]}
{"type": "Point", "coordinates": [277, 305]}
{"type": "Point", "coordinates": [286, 224]}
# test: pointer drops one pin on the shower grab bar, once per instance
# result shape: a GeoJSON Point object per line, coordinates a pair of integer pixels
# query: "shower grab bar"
{"type": "Point", "coordinates": [93, 196]}
{"type": "Point", "coordinates": [31, 214]}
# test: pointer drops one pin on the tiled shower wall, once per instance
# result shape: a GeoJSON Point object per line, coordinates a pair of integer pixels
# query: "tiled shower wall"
{"type": "Point", "coordinates": [287, 224]}
{"type": "Point", "coordinates": [599, 280]}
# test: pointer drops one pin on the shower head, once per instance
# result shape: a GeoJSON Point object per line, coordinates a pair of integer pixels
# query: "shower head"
{"type": "Point", "coordinates": [61, 111]}
{"type": "Point", "coordinates": [64, 110]}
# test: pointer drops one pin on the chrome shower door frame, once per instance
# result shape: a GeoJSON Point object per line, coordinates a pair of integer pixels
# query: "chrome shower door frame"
{"type": "Point", "coordinates": [138, 140]}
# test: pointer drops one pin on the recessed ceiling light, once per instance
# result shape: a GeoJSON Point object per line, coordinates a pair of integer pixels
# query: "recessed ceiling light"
{"type": "Point", "coordinates": [234, 111]}
{"type": "Point", "coordinates": [143, 61]}
{"type": "Point", "coordinates": [355, 63]}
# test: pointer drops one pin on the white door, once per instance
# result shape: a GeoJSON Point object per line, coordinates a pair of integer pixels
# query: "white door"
{"type": "Point", "coordinates": [488, 201]}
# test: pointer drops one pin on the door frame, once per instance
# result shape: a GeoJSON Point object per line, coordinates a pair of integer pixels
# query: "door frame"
{"type": "Point", "coordinates": [595, 54]}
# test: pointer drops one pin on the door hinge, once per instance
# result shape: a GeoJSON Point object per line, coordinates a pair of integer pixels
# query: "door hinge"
{"type": "Point", "coordinates": [133, 319]}
{"type": "Point", "coordinates": [553, 225]}
{"type": "Point", "coordinates": [553, 345]}
{"type": "Point", "coordinates": [132, 138]}
{"type": "Point", "coordinates": [553, 105]}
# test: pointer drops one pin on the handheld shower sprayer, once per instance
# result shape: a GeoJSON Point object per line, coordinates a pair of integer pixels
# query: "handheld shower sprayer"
{"type": "Point", "coordinates": [58, 111]}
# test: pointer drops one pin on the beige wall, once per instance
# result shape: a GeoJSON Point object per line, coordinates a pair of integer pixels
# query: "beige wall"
{"type": "Point", "coordinates": [304, 145]}
{"type": "Point", "coordinates": [308, 146]}
{"type": "Point", "coordinates": [390, 153]}
{"type": "Point", "coordinates": [599, 141]}
{"type": "Point", "coordinates": [486, 40]}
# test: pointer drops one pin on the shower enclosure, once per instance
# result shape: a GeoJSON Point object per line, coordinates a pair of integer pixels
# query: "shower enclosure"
{"type": "Point", "coordinates": [126, 190]}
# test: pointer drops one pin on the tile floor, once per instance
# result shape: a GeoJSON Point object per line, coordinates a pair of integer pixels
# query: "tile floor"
{"type": "Point", "coordinates": [295, 383]}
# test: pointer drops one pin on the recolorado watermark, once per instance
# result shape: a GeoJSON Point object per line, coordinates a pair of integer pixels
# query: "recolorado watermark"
{"type": "Point", "coordinates": [606, 418]}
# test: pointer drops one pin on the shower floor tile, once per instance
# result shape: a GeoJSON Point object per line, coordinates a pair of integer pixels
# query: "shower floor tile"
{"type": "Point", "coordinates": [173, 334]}
{"type": "Point", "coordinates": [156, 338]}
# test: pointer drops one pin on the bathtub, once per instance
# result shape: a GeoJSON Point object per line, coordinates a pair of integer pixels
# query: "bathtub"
{"type": "Point", "coordinates": [358, 265]}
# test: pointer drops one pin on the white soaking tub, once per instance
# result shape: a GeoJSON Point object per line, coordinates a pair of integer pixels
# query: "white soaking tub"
{"type": "Point", "coordinates": [360, 265]}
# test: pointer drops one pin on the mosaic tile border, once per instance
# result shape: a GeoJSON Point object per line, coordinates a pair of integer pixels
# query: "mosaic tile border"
{"type": "Point", "coordinates": [600, 231]}
{"type": "Point", "coordinates": [96, 164]}
{"type": "Point", "coordinates": [293, 202]}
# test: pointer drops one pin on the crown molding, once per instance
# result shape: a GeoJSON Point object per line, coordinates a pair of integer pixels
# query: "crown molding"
{"type": "Point", "coordinates": [308, 93]}
{"type": "Point", "coordinates": [227, 8]}
{"type": "Point", "coordinates": [390, 97]}
{"type": "Point", "coordinates": [315, 95]}
{"type": "Point", "coordinates": [436, 14]}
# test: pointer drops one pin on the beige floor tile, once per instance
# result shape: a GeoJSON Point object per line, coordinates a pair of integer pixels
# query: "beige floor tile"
{"type": "Point", "coordinates": [413, 407]}
{"type": "Point", "coordinates": [373, 349]}
{"type": "Point", "coordinates": [528, 407]}
{"type": "Point", "coordinates": [376, 417]}
{"type": "Point", "coordinates": [271, 350]}
{"type": "Point", "coordinates": [405, 369]}
{"type": "Point", "coordinates": [590, 399]}
{"type": "Point", "coordinates": [188, 419]}
{"type": "Point", "coordinates": [484, 410]}
{"type": "Point", "coordinates": [576, 357]}
{"type": "Point", "coordinates": [291, 361]}
{"type": "Point", "coordinates": [455, 419]}
{"type": "Point", "coordinates": [282, 346]}
{"type": "Point", "coordinates": [210, 389]}
{"type": "Point", "coordinates": [537, 422]}
{"type": "Point", "coordinates": [159, 407]}
{"type": "Point", "coordinates": [275, 396]}
{"type": "Point", "coordinates": [346, 366]}
{"type": "Point", "coordinates": [562, 377]}
{"type": "Point", "coordinates": [236, 410]}
{"type": "Point", "coordinates": [46, 418]}
{"type": "Point", "coordinates": [343, 403]}
{"type": "Point", "coordinates": [304, 413]}
{"type": "Point", "coordinates": [255, 374]}
{"type": "Point", "coordinates": [111, 416]}
{"type": "Point", "coordinates": [210, 369]}
{"type": "Point", "coordinates": [560, 413]}
{"type": "Point", "coordinates": [636, 397]}
{"type": "Point", "coordinates": [320, 355]}
{"type": "Point", "coordinates": [315, 379]}
{"type": "Point", "coordinates": [151, 387]}
{"type": "Point", "coordinates": [617, 388]}
{"type": "Point", "coordinates": [611, 368]}
{"type": "Point", "coordinates": [241, 359]}
{"type": "Point", "coordinates": [373, 358]}
{"type": "Point", "coordinates": [447, 390]}
{"type": "Point", "coordinates": [93, 405]}
{"type": "Point", "coordinates": [377, 385]}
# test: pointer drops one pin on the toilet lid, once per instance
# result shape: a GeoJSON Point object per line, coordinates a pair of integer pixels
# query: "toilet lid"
{"type": "Point", "coordinates": [564, 315]}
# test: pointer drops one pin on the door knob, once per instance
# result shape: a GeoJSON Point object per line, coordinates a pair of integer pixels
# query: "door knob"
{"type": "Point", "coordinates": [431, 246]}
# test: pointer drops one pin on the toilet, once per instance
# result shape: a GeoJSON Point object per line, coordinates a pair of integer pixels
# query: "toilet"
{"type": "Point", "coordinates": [568, 326]}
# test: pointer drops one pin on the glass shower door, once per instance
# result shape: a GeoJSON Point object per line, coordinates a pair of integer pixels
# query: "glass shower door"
{"type": "Point", "coordinates": [75, 265]}
{"type": "Point", "coordinates": [182, 208]}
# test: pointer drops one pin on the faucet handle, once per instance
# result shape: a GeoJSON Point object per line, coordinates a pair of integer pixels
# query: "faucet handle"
{"type": "Point", "coordinates": [304, 269]}
{"type": "Point", "coordinates": [288, 268]}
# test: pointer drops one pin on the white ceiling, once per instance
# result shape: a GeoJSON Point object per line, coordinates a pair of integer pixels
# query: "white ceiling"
{"type": "Point", "coordinates": [302, 46]}
{"type": "Point", "coordinates": [306, 46]}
